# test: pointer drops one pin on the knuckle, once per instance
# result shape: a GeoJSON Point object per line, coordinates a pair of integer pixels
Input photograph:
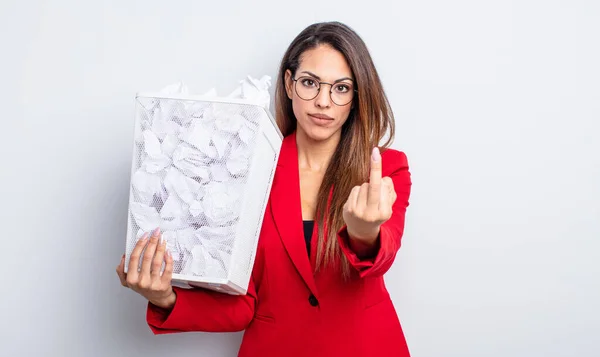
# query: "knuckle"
{"type": "Point", "coordinates": [158, 260]}
{"type": "Point", "coordinates": [147, 257]}
{"type": "Point", "coordinates": [156, 266]}
{"type": "Point", "coordinates": [144, 284]}
{"type": "Point", "coordinates": [130, 281]}
{"type": "Point", "coordinates": [371, 217]}
{"type": "Point", "coordinates": [387, 213]}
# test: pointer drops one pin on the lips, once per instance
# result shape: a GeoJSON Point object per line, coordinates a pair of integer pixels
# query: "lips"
{"type": "Point", "coordinates": [321, 116]}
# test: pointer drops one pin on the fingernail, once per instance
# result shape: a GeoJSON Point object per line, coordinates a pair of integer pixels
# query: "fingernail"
{"type": "Point", "coordinates": [145, 236]}
{"type": "Point", "coordinates": [376, 155]}
{"type": "Point", "coordinates": [155, 232]}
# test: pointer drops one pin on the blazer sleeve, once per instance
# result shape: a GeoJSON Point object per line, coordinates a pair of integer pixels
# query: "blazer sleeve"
{"type": "Point", "coordinates": [203, 310]}
{"type": "Point", "coordinates": [394, 165]}
{"type": "Point", "coordinates": [207, 310]}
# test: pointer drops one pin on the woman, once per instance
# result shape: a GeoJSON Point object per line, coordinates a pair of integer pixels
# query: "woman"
{"type": "Point", "coordinates": [322, 294]}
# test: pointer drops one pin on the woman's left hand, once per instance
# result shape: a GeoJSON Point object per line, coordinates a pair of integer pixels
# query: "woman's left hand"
{"type": "Point", "coordinates": [369, 205]}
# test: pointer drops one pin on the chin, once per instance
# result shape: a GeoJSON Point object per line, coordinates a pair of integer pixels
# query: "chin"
{"type": "Point", "coordinates": [319, 133]}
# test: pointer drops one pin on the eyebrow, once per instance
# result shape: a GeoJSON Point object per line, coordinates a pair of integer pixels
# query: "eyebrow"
{"type": "Point", "coordinates": [319, 78]}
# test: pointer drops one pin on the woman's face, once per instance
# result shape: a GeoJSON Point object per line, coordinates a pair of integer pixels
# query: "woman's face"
{"type": "Point", "coordinates": [321, 118]}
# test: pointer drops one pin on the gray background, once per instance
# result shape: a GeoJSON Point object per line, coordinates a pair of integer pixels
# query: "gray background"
{"type": "Point", "coordinates": [497, 106]}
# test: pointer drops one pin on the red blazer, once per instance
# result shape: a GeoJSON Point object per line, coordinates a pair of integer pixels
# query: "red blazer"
{"type": "Point", "coordinates": [289, 311]}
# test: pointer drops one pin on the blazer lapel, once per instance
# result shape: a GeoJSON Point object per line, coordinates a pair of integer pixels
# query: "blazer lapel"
{"type": "Point", "coordinates": [287, 210]}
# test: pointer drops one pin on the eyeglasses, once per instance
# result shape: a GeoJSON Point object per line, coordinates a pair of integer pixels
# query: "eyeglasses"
{"type": "Point", "coordinates": [308, 88]}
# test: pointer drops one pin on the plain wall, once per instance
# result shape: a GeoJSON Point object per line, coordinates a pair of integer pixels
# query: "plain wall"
{"type": "Point", "coordinates": [497, 107]}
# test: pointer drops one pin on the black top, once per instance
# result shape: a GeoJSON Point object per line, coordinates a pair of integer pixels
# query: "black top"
{"type": "Point", "coordinates": [308, 229]}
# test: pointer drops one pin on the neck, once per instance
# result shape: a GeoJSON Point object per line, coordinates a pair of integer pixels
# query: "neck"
{"type": "Point", "coordinates": [315, 155]}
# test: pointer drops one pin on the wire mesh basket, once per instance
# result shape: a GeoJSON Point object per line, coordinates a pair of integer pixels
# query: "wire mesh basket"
{"type": "Point", "coordinates": [202, 171]}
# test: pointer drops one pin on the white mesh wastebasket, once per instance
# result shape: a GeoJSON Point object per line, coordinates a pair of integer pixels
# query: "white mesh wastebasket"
{"type": "Point", "coordinates": [202, 171]}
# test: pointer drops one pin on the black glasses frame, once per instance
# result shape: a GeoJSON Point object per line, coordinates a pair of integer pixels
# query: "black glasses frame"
{"type": "Point", "coordinates": [319, 90]}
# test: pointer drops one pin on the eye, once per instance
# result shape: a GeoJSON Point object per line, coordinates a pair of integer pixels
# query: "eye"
{"type": "Point", "coordinates": [308, 82]}
{"type": "Point", "coordinates": [342, 88]}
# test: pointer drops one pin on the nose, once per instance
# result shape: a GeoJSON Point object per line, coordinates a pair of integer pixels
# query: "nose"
{"type": "Point", "coordinates": [323, 99]}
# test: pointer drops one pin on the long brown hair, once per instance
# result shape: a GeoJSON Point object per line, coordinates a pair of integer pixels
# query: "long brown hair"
{"type": "Point", "coordinates": [369, 120]}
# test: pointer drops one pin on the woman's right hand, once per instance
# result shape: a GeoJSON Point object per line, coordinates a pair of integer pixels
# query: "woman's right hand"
{"type": "Point", "coordinates": [148, 281]}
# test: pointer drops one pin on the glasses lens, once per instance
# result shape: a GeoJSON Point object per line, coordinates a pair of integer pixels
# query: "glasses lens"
{"type": "Point", "coordinates": [307, 88]}
{"type": "Point", "coordinates": [342, 93]}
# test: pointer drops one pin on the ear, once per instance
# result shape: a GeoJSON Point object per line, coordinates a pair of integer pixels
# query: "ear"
{"type": "Point", "coordinates": [289, 83]}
